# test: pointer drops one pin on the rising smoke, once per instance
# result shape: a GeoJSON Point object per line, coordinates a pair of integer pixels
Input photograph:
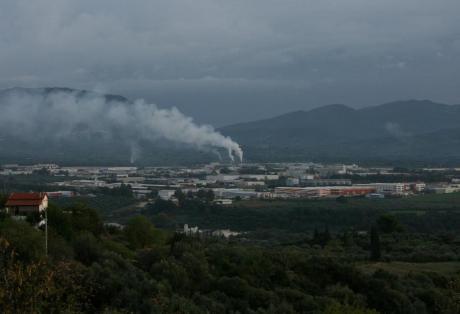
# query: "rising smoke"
{"type": "Point", "coordinates": [58, 114]}
{"type": "Point", "coordinates": [395, 130]}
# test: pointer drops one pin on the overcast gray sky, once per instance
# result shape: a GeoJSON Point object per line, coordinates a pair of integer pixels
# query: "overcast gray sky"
{"type": "Point", "coordinates": [225, 61]}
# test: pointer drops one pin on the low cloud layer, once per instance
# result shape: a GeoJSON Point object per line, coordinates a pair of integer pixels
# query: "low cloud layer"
{"type": "Point", "coordinates": [190, 53]}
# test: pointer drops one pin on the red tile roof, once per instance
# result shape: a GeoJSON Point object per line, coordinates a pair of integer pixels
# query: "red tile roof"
{"type": "Point", "coordinates": [25, 199]}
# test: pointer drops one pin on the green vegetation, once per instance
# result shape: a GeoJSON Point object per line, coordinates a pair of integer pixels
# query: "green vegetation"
{"type": "Point", "coordinates": [141, 234]}
{"type": "Point", "coordinates": [376, 253]}
{"type": "Point", "coordinates": [404, 268]}
{"type": "Point", "coordinates": [324, 256]}
{"type": "Point", "coordinates": [175, 274]}
{"type": "Point", "coordinates": [3, 199]}
{"type": "Point", "coordinates": [143, 269]}
{"type": "Point", "coordinates": [425, 213]}
{"type": "Point", "coordinates": [388, 223]}
{"type": "Point", "coordinates": [106, 205]}
{"type": "Point", "coordinates": [28, 243]}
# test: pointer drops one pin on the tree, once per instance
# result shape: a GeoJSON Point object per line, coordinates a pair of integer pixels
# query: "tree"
{"type": "Point", "coordinates": [180, 196]}
{"type": "Point", "coordinates": [201, 194]}
{"type": "Point", "coordinates": [85, 218]}
{"type": "Point", "coordinates": [348, 239]}
{"type": "Point", "coordinates": [40, 287]}
{"type": "Point", "coordinates": [388, 224]}
{"type": "Point", "coordinates": [337, 308]}
{"type": "Point", "coordinates": [206, 195]}
{"type": "Point", "coordinates": [315, 235]}
{"type": "Point", "coordinates": [162, 205]}
{"type": "Point", "coordinates": [327, 235]}
{"type": "Point", "coordinates": [60, 222]}
{"type": "Point", "coordinates": [3, 199]}
{"type": "Point", "coordinates": [123, 190]}
{"type": "Point", "coordinates": [28, 242]}
{"type": "Point", "coordinates": [21, 286]}
{"type": "Point", "coordinates": [140, 232]}
{"type": "Point", "coordinates": [58, 247]}
{"type": "Point", "coordinates": [119, 287]}
{"type": "Point", "coordinates": [322, 238]}
{"type": "Point", "coordinates": [342, 199]}
{"type": "Point", "coordinates": [210, 195]}
{"type": "Point", "coordinates": [375, 244]}
{"type": "Point", "coordinates": [86, 247]}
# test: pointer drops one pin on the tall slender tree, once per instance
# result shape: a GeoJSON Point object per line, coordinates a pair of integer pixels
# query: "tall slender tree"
{"type": "Point", "coordinates": [375, 244]}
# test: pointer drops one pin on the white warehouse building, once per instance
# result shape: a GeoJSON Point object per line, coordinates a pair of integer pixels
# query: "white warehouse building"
{"type": "Point", "coordinates": [391, 188]}
{"type": "Point", "coordinates": [166, 194]}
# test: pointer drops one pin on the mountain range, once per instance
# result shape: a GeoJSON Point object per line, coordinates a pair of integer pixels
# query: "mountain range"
{"type": "Point", "coordinates": [412, 131]}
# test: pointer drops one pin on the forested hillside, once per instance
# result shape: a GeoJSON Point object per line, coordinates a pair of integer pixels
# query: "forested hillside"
{"type": "Point", "coordinates": [142, 269]}
{"type": "Point", "coordinates": [411, 131]}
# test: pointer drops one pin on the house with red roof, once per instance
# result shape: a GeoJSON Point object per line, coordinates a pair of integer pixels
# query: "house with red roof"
{"type": "Point", "coordinates": [22, 204]}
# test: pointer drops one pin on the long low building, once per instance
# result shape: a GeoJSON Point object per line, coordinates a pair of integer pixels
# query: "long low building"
{"type": "Point", "coordinates": [399, 188]}
{"type": "Point", "coordinates": [240, 193]}
{"type": "Point", "coordinates": [323, 191]}
{"type": "Point", "coordinates": [354, 190]}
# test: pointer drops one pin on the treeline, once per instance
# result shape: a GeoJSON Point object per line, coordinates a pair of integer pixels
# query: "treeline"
{"type": "Point", "coordinates": [92, 268]}
{"type": "Point", "coordinates": [426, 214]}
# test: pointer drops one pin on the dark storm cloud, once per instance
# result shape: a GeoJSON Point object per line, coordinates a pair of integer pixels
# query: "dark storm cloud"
{"type": "Point", "coordinates": [246, 58]}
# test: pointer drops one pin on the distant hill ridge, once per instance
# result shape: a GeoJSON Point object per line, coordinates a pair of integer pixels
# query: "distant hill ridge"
{"type": "Point", "coordinates": [410, 130]}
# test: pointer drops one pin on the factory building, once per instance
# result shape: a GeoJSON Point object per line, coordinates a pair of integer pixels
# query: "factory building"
{"type": "Point", "coordinates": [59, 194]}
{"type": "Point", "coordinates": [399, 188]}
{"type": "Point", "coordinates": [325, 182]}
{"type": "Point", "coordinates": [352, 190]}
{"type": "Point", "coordinates": [391, 188]}
{"type": "Point", "coordinates": [324, 191]}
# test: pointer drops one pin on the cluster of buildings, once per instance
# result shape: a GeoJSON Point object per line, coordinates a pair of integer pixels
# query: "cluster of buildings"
{"type": "Point", "coordinates": [230, 182]}
{"type": "Point", "coordinates": [373, 190]}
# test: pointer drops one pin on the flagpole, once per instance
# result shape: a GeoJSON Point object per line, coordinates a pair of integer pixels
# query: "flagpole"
{"type": "Point", "coordinates": [46, 231]}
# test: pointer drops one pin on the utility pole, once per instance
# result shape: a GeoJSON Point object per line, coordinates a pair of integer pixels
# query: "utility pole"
{"type": "Point", "coordinates": [46, 232]}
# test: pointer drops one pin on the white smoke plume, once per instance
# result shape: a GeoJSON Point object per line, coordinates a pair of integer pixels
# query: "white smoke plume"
{"type": "Point", "coordinates": [58, 114]}
{"type": "Point", "coordinates": [135, 152]}
{"type": "Point", "coordinates": [218, 154]}
{"type": "Point", "coordinates": [395, 130]}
